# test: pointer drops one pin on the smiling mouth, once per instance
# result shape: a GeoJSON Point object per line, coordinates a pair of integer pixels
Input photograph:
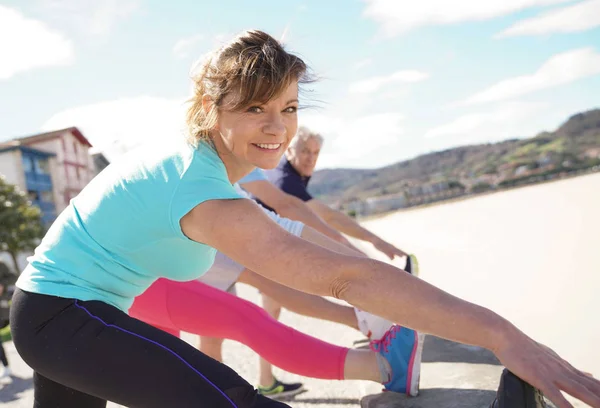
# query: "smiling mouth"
{"type": "Point", "coordinates": [268, 146]}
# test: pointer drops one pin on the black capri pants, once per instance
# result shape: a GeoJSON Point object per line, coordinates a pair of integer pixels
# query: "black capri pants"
{"type": "Point", "coordinates": [85, 353]}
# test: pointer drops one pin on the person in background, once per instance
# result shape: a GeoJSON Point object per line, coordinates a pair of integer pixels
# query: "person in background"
{"type": "Point", "coordinates": [6, 372]}
{"type": "Point", "coordinates": [292, 176]}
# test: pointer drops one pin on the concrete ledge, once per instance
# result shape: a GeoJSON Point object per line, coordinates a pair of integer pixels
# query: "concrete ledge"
{"type": "Point", "coordinates": [432, 397]}
{"type": "Point", "coordinates": [452, 376]}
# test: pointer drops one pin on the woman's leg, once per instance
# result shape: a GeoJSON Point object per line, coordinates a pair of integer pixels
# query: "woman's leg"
{"type": "Point", "coordinates": [265, 368]}
{"type": "Point", "coordinates": [50, 394]}
{"type": "Point", "coordinates": [95, 351]}
{"type": "Point", "coordinates": [206, 311]}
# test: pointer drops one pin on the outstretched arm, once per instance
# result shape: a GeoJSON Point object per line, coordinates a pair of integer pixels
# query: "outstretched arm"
{"type": "Point", "coordinates": [291, 207]}
{"type": "Point", "coordinates": [349, 226]}
{"type": "Point", "coordinates": [301, 302]}
{"type": "Point", "coordinates": [242, 231]}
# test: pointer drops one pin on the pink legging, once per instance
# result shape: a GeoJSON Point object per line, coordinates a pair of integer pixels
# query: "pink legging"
{"type": "Point", "coordinates": [206, 311]}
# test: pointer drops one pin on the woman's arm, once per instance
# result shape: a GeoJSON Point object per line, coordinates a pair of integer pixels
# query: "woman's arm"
{"type": "Point", "coordinates": [301, 302]}
{"type": "Point", "coordinates": [242, 231]}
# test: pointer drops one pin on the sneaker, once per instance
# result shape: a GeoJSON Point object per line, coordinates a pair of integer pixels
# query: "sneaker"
{"type": "Point", "coordinates": [281, 390]}
{"type": "Point", "coordinates": [516, 393]}
{"type": "Point", "coordinates": [412, 265]}
{"type": "Point", "coordinates": [372, 326]}
{"type": "Point", "coordinates": [402, 348]}
{"type": "Point", "coordinates": [6, 372]}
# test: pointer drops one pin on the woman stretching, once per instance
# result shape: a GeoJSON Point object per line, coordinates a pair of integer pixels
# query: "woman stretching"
{"type": "Point", "coordinates": [164, 213]}
{"type": "Point", "coordinates": [181, 306]}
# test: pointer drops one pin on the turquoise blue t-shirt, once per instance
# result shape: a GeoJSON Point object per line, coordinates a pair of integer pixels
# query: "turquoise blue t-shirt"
{"type": "Point", "coordinates": [122, 232]}
{"type": "Point", "coordinates": [255, 175]}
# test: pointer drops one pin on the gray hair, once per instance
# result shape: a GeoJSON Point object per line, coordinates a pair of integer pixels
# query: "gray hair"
{"type": "Point", "coordinates": [303, 135]}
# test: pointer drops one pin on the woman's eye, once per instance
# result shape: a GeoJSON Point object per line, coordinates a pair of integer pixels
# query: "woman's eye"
{"type": "Point", "coordinates": [291, 109]}
{"type": "Point", "coordinates": [255, 109]}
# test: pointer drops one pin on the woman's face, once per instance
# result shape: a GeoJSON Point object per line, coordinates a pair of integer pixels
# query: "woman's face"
{"type": "Point", "coordinates": [258, 135]}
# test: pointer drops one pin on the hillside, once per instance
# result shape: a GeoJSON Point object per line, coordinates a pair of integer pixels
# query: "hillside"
{"type": "Point", "coordinates": [576, 143]}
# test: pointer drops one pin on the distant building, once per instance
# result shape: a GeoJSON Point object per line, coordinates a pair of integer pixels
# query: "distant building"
{"type": "Point", "coordinates": [521, 170]}
{"type": "Point", "coordinates": [75, 166]}
{"type": "Point", "coordinates": [33, 172]}
{"type": "Point", "coordinates": [385, 203]}
{"type": "Point", "coordinates": [100, 161]}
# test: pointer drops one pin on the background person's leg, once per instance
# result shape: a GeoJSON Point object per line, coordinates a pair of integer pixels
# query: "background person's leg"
{"type": "Point", "coordinates": [212, 347]}
{"type": "Point", "coordinates": [5, 371]}
{"type": "Point", "coordinates": [265, 372]}
{"type": "Point", "coordinates": [96, 349]}
{"type": "Point", "coordinates": [3, 358]}
{"type": "Point", "coordinates": [206, 311]}
{"type": "Point", "coordinates": [200, 309]}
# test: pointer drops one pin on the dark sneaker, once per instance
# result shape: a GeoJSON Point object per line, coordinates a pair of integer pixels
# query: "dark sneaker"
{"type": "Point", "coordinates": [412, 265]}
{"type": "Point", "coordinates": [516, 393]}
{"type": "Point", "coordinates": [281, 390]}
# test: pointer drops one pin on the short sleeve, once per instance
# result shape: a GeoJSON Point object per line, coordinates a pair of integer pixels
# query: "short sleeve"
{"type": "Point", "coordinates": [189, 195]}
{"type": "Point", "coordinates": [205, 179]}
{"type": "Point", "coordinates": [256, 175]}
{"type": "Point", "coordinates": [293, 186]}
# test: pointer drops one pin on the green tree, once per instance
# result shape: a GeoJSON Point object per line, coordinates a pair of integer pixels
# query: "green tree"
{"type": "Point", "coordinates": [20, 222]}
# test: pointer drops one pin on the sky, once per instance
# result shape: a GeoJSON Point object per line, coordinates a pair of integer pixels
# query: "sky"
{"type": "Point", "coordinates": [397, 78]}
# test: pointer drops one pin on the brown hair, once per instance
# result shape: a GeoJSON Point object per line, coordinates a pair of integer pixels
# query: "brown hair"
{"type": "Point", "coordinates": [253, 65]}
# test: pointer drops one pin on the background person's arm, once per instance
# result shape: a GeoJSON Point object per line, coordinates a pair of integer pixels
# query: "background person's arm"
{"type": "Point", "coordinates": [291, 207]}
{"type": "Point", "coordinates": [301, 302]}
{"type": "Point", "coordinates": [239, 229]}
{"type": "Point", "coordinates": [349, 226]}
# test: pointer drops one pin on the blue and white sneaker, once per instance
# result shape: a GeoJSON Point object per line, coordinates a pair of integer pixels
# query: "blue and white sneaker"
{"type": "Point", "coordinates": [402, 348]}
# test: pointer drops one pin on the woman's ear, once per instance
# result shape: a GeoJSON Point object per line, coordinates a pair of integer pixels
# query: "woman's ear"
{"type": "Point", "coordinates": [207, 104]}
{"type": "Point", "coordinates": [208, 107]}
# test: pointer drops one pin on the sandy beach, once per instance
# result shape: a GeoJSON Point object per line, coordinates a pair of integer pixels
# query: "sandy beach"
{"type": "Point", "coordinates": [530, 254]}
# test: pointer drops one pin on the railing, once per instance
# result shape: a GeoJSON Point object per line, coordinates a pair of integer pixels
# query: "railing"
{"type": "Point", "coordinates": [37, 181]}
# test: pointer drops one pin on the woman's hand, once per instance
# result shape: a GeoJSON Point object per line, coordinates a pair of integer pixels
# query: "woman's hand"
{"type": "Point", "coordinates": [544, 369]}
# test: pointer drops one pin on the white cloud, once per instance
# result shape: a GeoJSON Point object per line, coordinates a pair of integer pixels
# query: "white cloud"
{"type": "Point", "coordinates": [347, 139]}
{"type": "Point", "coordinates": [579, 17]}
{"type": "Point", "coordinates": [558, 70]}
{"type": "Point", "coordinates": [373, 84]}
{"type": "Point", "coordinates": [26, 44]}
{"type": "Point", "coordinates": [114, 127]}
{"type": "Point", "coordinates": [363, 63]}
{"type": "Point", "coordinates": [506, 121]}
{"type": "Point", "coordinates": [184, 46]}
{"type": "Point", "coordinates": [92, 17]}
{"type": "Point", "coordinates": [399, 16]}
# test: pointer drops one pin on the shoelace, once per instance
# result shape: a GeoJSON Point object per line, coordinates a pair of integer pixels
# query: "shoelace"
{"type": "Point", "coordinates": [385, 341]}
